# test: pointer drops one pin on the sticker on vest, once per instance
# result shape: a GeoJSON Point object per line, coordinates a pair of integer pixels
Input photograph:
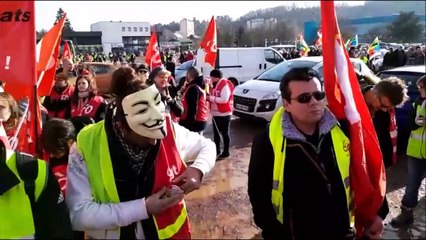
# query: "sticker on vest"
{"type": "Point", "coordinates": [64, 97]}
{"type": "Point", "coordinates": [87, 109]}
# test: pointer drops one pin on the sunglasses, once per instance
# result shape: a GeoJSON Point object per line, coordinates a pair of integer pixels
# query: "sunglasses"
{"type": "Point", "coordinates": [307, 97]}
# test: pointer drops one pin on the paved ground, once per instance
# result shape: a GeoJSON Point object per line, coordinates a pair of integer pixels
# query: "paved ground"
{"type": "Point", "coordinates": [221, 208]}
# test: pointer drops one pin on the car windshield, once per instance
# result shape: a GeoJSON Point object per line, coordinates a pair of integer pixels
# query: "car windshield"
{"type": "Point", "coordinates": [276, 73]}
{"type": "Point", "coordinates": [100, 69]}
{"type": "Point", "coordinates": [410, 78]}
{"type": "Point", "coordinates": [186, 65]}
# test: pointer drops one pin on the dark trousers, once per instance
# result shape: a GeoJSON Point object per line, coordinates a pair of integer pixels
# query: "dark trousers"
{"type": "Point", "coordinates": [416, 169]}
{"type": "Point", "coordinates": [221, 127]}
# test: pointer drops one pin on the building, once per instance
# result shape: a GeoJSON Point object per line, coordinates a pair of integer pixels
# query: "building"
{"type": "Point", "coordinates": [187, 27]}
{"type": "Point", "coordinates": [84, 41]}
{"type": "Point", "coordinates": [261, 23]}
{"type": "Point", "coordinates": [361, 25]}
{"type": "Point", "coordinates": [123, 36]}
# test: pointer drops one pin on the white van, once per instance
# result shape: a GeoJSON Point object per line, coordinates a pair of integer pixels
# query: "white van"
{"type": "Point", "coordinates": [240, 64]}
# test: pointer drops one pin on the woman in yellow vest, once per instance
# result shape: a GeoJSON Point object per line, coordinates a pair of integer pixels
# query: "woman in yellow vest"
{"type": "Point", "coordinates": [298, 178]}
{"type": "Point", "coordinates": [127, 174]}
{"type": "Point", "coordinates": [31, 203]}
{"type": "Point", "coordinates": [416, 154]}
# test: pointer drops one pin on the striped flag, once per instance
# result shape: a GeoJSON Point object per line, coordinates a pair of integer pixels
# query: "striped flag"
{"type": "Point", "coordinates": [374, 47]}
{"type": "Point", "coordinates": [354, 42]}
{"type": "Point", "coordinates": [348, 44]}
{"type": "Point", "coordinates": [345, 100]}
{"type": "Point", "coordinates": [303, 47]}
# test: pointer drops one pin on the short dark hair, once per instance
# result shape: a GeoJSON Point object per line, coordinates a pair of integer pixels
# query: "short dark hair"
{"type": "Point", "coordinates": [56, 134]}
{"type": "Point", "coordinates": [303, 74]}
{"type": "Point", "coordinates": [422, 81]}
{"type": "Point", "coordinates": [216, 73]}
{"type": "Point", "coordinates": [394, 89]}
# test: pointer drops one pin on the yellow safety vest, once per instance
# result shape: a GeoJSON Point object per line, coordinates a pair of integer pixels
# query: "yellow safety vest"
{"type": "Point", "coordinates": [417, 142]}
{"type": "Point", "coordinates": [92, 143]}
{"type": "Point", "coordinates": [341, 148]}
{"type": "Point", "coordinates": [16, 216]}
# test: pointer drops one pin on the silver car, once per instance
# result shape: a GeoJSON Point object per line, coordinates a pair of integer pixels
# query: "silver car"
{"type": "Point", "coordinates": [180, 71]}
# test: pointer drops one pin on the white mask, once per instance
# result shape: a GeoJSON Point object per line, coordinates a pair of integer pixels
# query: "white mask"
{"type": "Point", "coordinates": [144, 112]}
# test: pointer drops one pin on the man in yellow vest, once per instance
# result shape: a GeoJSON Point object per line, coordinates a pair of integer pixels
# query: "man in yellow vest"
{"type": "Point", "coordinates": [31, 203]}
{"type": "Point", "coordinates": [127, 174]}
{"type": "Point", "coordinates": [416, 154]}
{"type": "Point", "coordinates": [299, 168]}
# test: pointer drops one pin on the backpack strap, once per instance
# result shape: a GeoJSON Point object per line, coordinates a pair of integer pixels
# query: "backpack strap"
{"type": "Point", "coordinates": [27, 166]}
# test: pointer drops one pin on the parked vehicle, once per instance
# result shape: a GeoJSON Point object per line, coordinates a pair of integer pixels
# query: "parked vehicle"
{"type": "Point", "coordinates": [180, 71]}
{"type": "Point", "coordinates": [410, 74]}
{"type": "Point", "coordinates": [240, 64]}
{"type": "Point", "coordinates": [261, 97]}
{"type": "Point", "coordinates": [102, 72]}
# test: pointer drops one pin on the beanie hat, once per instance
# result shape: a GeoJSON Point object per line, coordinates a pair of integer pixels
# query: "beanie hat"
{"type": "Point", "coordinates": [216, 73]}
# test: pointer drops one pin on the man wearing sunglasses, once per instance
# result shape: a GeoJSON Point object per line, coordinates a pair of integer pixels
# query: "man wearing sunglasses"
{"type": "Point", "coordinates": [381, 100]}
{"type": "Point", "coordinates": [298, 179]}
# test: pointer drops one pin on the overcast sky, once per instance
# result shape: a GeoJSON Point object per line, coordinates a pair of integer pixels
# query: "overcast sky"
{"type": "Point", "coordinates": [83, 13]}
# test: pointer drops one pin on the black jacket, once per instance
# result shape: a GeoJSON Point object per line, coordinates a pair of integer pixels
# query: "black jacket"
{"type": "Point", "coordinates": [58, 105]}
{"type": "Point", "coordinates": [50, 213]}
{"type": "Point", "coordinates": [314, 208]}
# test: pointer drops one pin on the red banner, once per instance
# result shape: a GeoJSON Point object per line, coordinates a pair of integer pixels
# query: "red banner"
{"type": "Point", "coordinates": [17, 47]}
{"type": "Point", "coordinates": [152, 57]}
{"type": "Point", "coordinates": [209, 43]}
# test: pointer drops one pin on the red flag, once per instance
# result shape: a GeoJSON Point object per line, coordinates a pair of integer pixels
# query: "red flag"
{"type": "Point", "coordinates": [368, 179]}
{"type": "Point", "coordinates": [18, 61]}
{"type": "Point", "coordinates": [209, 43]}
{"type": "Point", "coordinates": [17, 47]}
{"type": "Point", "coordinates": [152, 56]}
{"type": "Point", "coordinates": [67, 52]}
{"type": "Point", "coordinates": [47, 57]}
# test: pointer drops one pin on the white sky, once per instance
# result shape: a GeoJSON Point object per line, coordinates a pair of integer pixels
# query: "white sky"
{"type": "Point", "coordinates": [83, 13]}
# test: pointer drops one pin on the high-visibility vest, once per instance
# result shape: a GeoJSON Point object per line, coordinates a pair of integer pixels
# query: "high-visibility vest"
{"type": "Point", "coordinates": [16, 216]}
{"type": "Point", "coordinates": [202, 113]}
{"type": "Point", "coordinates": [92, 143]}
{"type": "Point", "coordinates": [341, 147]}
{"type": "Point", "coordinates": [417, 142]}
{"type": "Point", "coordinates": [228, 106]}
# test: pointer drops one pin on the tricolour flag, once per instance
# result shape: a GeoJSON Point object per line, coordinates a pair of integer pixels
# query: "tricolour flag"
{"type": "Point", "coordinates": [209, 43]}
{"type": "Point", "coordinates": [303, 47]}
{"type": "Point", "coordinates": [345, 100]}
{"type": "Point", "coordinates": [152, 57]}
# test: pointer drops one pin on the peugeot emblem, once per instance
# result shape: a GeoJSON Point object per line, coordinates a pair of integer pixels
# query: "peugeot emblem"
{"type": "Point", "coordinates": [245, 91]}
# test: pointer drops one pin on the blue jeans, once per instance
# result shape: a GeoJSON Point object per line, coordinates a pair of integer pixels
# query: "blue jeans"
{"type": "Point", "coordinates": [416, 169]}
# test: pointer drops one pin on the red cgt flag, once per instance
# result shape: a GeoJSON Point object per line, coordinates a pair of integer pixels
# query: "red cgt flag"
{"type": "Point", "coordinates": [47, 57]}
{"type": "Point", "coordinates": [152, 57]}
{"type": "Point", "coordinates": [209, 43]}
{"type": "Point", "coordinates": [367, 175]}
{"type": "Point", "coordinates": [18, 63]}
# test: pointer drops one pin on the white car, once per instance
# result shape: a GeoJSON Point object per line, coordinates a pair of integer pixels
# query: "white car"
{"type": "Point", "coordinates": [180, 71]}
{"type": "Point", "coordinates": [261, 97]}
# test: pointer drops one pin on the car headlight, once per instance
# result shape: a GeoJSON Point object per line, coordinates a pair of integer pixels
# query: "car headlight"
{"type": "Point", "coordinates": [273, 95]}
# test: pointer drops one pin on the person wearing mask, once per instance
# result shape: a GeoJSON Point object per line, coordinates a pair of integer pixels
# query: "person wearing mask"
{"type": "Point", "coordinates": [127, 174]}
{"type": "Point", "coordinates": [31, 203]}
{"type": "Point", "coordinates": [9, 114]}
{"type": "Point", "coordinates": [160, 77]}
{"type": "Point", "coordinates": [298, 178]}
{"type": "Point", "coordinates": [221, 104]}
{"type": "Point", "coordinates": [58, 103]}
{"type": "Point", "coordinates": [381, 100]}
{"type": "Point", "coordinates": [85, 102]}
{"type": "Point", "coordinates": [416, 155]}
{"type": "Point", "coordinates": [195, 103]}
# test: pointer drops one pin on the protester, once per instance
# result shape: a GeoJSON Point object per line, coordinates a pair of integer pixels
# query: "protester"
{"type": "Point", "coordinates": [160, 77]}
{"type": "Point", "coordinates": [381, 101]}
{"type": "Point", "coordinates": [142, 71]}
{"type": "Point", "coordinates": [58, 103]}
{"type": "Point", "coordinates": [31, 203]}
{"type": "Point", "coordinates": [85, 102]}
{"type": "Point", "coordinates": [299, 168]}
{"type": "Point", "coordinates": [57, 137]}
{"type": "Point", "coordinates": [194, 102]}
{"type": "Point", "coordinates": [9, 114]}
{"type": "Point", "coordinates": [122, 166]}
{"type": "Point", "coordinates": [416, 155]}
{"type": "Point", "coordinates": [221, 105]}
